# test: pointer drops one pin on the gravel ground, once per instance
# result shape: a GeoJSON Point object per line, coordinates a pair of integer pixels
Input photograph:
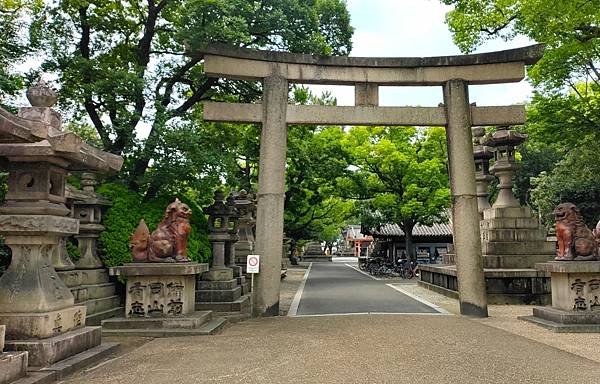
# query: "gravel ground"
{"type": "Point", "coordinates": [505, 317]}
{"type": "Point", "coordinates": [289, 286]}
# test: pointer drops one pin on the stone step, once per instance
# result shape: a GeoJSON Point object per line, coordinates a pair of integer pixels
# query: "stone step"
{"type": "Point", "coordinates": [239, 305]}
{"type": "Point", "coordinates": [46, 352]}
{"type": "Point", "coordinates": [78, 277]}
{"type": "Point", "coordinates": [510, 223]}
{"type": "Point", "coordinates": [202, 285]}
{"type": "Point", "coordinates": [80, 294]}
{"type": "Point", "coordinates": [514, 261]}
{"type": "Point", "coordinates": [518, 248]}
{"type": "Point", "coordinates": [495, 213]}
{"type": "Point", "coordinates": [214, 326]}
{"type": "Point", "coordinates": [96, 318]}
{"type": "Point", "coordinates": [193, 321]}
{"type": "Point", "coordinates": [219, 295]}
{"type": "Point", "coordinates": [235, 317]}
{"type": "Point", "coordinates": [97, 291]}
{"type": "Point", "coordinates": [13, 366]}
{"type": "Point", "coordinates": [83, 359]}
{"type": "Point", "coordinates": [103, 304]}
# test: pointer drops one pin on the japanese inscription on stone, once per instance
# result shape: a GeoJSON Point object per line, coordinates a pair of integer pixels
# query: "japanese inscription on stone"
{"type": "Point", "coordinates": [586, 295]}
{"type": "Point", "coordinates": [156, 298]}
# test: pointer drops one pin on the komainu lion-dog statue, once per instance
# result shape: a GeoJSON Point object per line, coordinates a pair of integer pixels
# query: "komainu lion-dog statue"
{"type": "Point", "coordinates": [168, 243]}
{"type": "Point", "coordinates": [575, 240]}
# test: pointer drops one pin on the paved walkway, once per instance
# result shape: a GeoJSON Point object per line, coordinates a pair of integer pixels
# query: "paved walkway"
{"type": "Point", "coordinates": [348, 349]}
{"type": "Point", "coordinates": [382, 348]}
{"type": "Point", "coordinates": [337, 288]}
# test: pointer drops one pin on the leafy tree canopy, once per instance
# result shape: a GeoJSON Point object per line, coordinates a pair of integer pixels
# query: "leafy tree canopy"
{"type": "Point", "coordinates": [569, 29]}
{"type": "Point", "coordinates": [123, 64]}
{"type": "Point", "coordinates": [15, 43]}
{"type": "Point", "coordinates": [400, 175]}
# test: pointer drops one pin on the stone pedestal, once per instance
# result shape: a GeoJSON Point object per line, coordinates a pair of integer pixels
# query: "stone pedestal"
{"type": "Point", "coordinates": [512, 237]}
{"type": "Point", "coordinates": [159, 289]}
{"type": "Point", "coordinates": [575, 297]}
{"type": "Point", "coordinates": [160, 302]}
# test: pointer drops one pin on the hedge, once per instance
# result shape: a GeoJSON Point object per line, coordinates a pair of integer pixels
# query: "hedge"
{"type": "Point", "coordinates": [123, 216]}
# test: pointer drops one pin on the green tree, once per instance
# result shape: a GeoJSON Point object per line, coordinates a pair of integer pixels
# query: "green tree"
{"type": "Point", "coordinates": [123, 64]}
{"type": "Point", "coordinates": [563, 118]}
{"type": "Point", "coordinates": [316, 158]}
{"type": "Point", "coordinates": [15, 17]}
{"type": "Point", "coordinates": [400, 176]}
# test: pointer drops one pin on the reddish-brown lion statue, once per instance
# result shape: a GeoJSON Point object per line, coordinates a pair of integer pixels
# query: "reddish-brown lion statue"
{"type": "Point", "coordinates": [168, 243]}
{"type": "Point", "coordinates": [575, 240]}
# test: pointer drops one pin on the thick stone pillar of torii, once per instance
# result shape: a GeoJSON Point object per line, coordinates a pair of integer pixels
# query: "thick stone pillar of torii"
{"type": "Point", "coordinates": [454, 74]}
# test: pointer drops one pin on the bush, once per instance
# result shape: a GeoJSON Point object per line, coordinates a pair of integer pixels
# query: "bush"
{"type": "Point", "coordinates": [123, 216]}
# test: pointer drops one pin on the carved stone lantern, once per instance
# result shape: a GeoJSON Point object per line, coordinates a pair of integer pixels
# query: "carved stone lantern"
{"type": "Point", "coordinates": [88, 208]}
{"type": "Point", "coordinates": [482, 155]}
{"type": "Point", "coordinates": [218, 234]}
{"type": "Point", "coordinates": [504, 142]}
{"type": "Point", "coordinates": [35, 303]}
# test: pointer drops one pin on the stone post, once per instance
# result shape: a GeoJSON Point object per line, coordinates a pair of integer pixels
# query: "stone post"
{"type": "Point", "coordinates": [482, 155]}
{"type": "Point", "coordinates": [247, 210]}
{"type": "Point", "coordinates": [230, 245]}
{"type": "Point", "coordinates": [218, 227]}
{"type": "Point", "coordinates": [465, 214]}
{"type": "Point", "coordinates": [271, 189]}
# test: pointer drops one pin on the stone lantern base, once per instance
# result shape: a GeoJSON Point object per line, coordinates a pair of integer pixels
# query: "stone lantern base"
{"type": "Point", "coordinates": [13, 365]}
{"type": "Point", "coordinates": [160, 302]}
{"type": "Point", "coordinates": [575, 297]}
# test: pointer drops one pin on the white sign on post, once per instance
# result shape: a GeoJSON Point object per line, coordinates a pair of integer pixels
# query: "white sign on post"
{"type": "Point", "coordinates": [252, 263]}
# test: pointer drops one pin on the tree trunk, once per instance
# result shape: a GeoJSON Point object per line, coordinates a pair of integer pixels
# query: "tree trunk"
{"type": "Point", "coordinates": [408, 243]}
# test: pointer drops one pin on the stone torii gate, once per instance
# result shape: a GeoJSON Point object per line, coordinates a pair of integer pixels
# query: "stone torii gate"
{"type": "Point", "coordinates": [453, 73]}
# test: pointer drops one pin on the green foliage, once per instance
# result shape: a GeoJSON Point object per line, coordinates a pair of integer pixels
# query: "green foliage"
{"type": "Point", "coordinates": [15, 17]}
{"type": "Point", "coordinates": [400, 176]}
{"type": "Point", "coordinates": [573, 179]}
{"type": "Point", "coordinates": [563, 119]}
{"type": "Point", "coordinates": [73, 250]}
{"type": "Point", "coordinates": [124, 64]}
{"type": "Point", "coordinates": [122, 219]}
{"type": "Point", "coordinates": [569, 29]}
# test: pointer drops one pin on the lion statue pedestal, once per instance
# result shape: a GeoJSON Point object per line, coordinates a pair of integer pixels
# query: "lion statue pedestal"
{"type": "Point", "coordinates": [575, 276]}
{"type": "Point", "coordinates": [161, 283]}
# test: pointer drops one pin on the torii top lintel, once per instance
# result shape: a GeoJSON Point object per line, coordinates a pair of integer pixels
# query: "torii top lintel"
{"type": "Point", "coordinates": [483, 68]}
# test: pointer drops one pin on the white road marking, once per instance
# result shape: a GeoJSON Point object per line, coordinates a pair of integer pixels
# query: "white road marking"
{"type": "Point", "coordinates": [378, 313]}
{"type": "Point", "coordinates": [364, 273]}
{"type": "Point", "coordinates": [296, 302]}
{"type": "Point", "coordinates": [427, 303]}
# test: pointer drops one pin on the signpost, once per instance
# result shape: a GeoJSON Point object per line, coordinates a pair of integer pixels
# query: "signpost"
{"type": "Point", "coordinates": [252, 267]}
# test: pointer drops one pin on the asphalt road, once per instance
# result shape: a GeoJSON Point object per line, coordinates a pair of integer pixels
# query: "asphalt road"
{"type": "Point", "coordinates": [335, 288]}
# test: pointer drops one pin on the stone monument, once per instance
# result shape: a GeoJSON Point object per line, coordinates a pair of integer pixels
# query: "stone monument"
{"type": "Point", "coordinates": [218, 289]}
{"type": "Point", "coordinates": [575, 276]}
{"type": "Point", "coordinates": [512, 238]}
{"type": "Point", "coordinates": [161, 284]}
{"type": "Point", "coordinates": [511, 234]}
{"type": "Point", "coordinates": [89, 282]}
{"type": "Point", "coordinates": [35, 305]}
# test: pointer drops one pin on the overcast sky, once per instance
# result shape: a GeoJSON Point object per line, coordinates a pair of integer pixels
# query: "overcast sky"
{"type": "Point", "coordinates": [391, 28]}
